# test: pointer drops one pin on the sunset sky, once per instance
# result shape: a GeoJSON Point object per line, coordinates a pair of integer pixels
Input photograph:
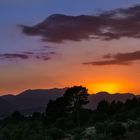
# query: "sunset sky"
{"type": "Point", "coordinates": [60, 43]}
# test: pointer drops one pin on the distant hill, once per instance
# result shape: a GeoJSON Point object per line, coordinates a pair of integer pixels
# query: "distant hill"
{"type": "Point", "coordinates": [33, 100]}
{"type": "Point", "coordinates": [36, 100]}
{"type": "Point", "coordinates": [94, 99]}
{"type": "Point", "coordinates": [5, 107]}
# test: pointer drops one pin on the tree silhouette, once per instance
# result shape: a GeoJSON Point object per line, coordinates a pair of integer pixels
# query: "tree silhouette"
{"type": "Point", "coordinates": [103, 106]}
{"type": "Point", "coordinates": [58, 108]}
{"type": "Point", "coordinates": [16, 115]}
{"type": "Point", "coordinates": [77, 97]}
{"type": "Point", "coordinates": [70, 103]}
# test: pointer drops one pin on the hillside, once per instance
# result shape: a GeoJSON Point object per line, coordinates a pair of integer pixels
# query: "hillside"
{"type": "Point", "coordinates": [31, 101]}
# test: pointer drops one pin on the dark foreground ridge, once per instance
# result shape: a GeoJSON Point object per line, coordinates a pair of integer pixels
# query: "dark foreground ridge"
{"type": "Point", "coordinates": [31, 101]}
{"type": "Point", "coordinates": [68, 117]}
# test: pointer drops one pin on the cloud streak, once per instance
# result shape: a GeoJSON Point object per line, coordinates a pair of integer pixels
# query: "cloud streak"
{"type": "Point", "coordinates": [14, 55]}
{"type": "Point", "coordinates": [108, 25]}
{"type": "Point", "coordinates": [28, 55]}
{"type": "Point", "coordinates": [117, 59]}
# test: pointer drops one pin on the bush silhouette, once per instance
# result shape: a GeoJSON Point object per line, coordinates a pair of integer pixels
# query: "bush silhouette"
{"type": "Point", "coordinates": [115, 129]}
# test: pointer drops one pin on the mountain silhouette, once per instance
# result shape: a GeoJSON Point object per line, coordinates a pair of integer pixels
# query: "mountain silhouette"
{"type": "Point", "coordinates": [94, 99]}
{"type": "Point", "coordinates": [31, 101]}
{"type": "Point", "coordinates": [5, 107]}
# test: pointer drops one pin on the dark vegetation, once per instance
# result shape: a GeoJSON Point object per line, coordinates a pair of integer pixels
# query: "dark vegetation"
{"type": "Point", "coordinates": [67, 118]}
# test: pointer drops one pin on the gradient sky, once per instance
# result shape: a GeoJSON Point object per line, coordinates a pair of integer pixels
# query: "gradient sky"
{"type": "Point", "coordinates": [109, 61]}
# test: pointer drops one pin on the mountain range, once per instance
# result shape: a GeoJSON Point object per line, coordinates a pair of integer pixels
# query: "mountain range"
{"type": "Point", "coordinates": [31, 101]}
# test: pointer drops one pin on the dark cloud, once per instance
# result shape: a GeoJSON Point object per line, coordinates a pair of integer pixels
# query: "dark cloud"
{"type": "Point", "coordinates": [14, 55]}
{"type": "Point", "coordinates": [27, 55]}
{"type": "Point", "coordinates": [117, 59]}
{"type": "Point", "coordinates": [45, 56]}
{"type": "Point", "coordinates": [107, 25]}
{"type": "Point", "coordinates": [106, 62]}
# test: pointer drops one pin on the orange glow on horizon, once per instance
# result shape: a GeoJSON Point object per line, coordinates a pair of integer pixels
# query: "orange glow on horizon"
{"type": "Point", "coordinates": [93, 88]}
{"type": "Point", "coordinates": [108, 87]}
{"type": "Point", "coordinates": [111, 87]}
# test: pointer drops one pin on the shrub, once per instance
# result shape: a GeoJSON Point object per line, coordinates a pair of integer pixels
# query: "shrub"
{"type": "Point", "coordinates": [55, 133]}
{"type": "Point", "coordinates": [77, 131]}
{"type": "Point", "coordinates": [115, 129]}
{"type": "Point", "coordinates": [100, 127]}
{"type": "Point", "coordinates": [64, 123]}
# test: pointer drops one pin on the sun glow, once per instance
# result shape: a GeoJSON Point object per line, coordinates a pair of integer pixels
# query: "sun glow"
{"type": "Point", "coordinates": [105, 86]}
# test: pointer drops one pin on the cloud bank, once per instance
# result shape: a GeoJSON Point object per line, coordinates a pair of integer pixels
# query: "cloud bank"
{"type": "Point", "coordinates": [108, 25]}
